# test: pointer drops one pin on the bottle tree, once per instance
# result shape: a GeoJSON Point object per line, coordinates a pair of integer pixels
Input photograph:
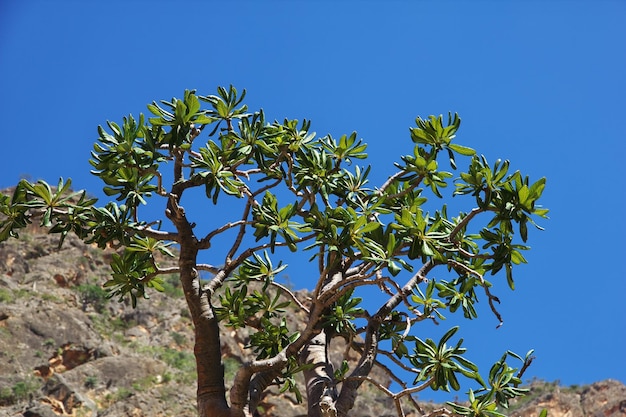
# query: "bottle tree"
{"type": "Point", "coordinates": [271, 187]}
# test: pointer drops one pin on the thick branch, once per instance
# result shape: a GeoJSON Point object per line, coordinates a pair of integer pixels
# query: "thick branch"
{"type": "Point", "coordinates": [216, 282]}
{"type": "Point", "coordinates": [368, 357]}
{"type": "Point", "coordinates": [320, 384]}
{"type": "Point", "coordinates": [258, 384]}
{"type": "Point", "coordinates": [348, 394]}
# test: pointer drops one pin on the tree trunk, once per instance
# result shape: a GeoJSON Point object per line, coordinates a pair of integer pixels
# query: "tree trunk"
{"type": "Point", "coordinates": [207, 350]}
{"type": "Point", "coordinates": [349, 388]}
{"type": "Point", "coordinates": [320, 384]}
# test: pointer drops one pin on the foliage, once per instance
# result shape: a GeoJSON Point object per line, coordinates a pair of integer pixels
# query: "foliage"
{"type": "Point", "coordinates": [20, 391]}
{"type": "Point", "coordinates": [277, 186]}
{"type": "Point", "coordinates": [92, 294]}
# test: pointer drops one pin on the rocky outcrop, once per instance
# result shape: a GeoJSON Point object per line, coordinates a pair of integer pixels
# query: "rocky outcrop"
{"type": "Point", "coordinates": [601, 399]}
{"type": "Point", "coordinates": [65, 350]}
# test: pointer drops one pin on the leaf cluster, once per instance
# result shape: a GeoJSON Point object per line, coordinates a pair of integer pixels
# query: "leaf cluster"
{"type": "Point", "coordinates": [295, 190]}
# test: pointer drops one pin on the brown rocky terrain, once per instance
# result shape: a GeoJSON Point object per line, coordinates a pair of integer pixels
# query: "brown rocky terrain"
{"type": "Point", "coordinates": [65, 350]}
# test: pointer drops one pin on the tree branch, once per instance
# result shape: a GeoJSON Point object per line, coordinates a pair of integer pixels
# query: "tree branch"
{"type": "Point", "coordinates": [475, 211]}
{"type": "Point", "coordinates": [248, 252]}
{"type": "Point", "coordinates": [205, 242]}
{"type": "Point", "coordinates": [407, 189]}
{"type": "Point", "coordinates": [242, 230]}
{"type": "Point", "coordinates": [209, 268]}
{"type": "Point", "coordinates": [470, 255]}
{"type": "Point", "coordinates": [393, 302]}
{"type": "Point", "coordinates": [390, 181]}
{"type": "Point", "coordinates": [291, 295]}
{"type": "Point", "coordinates": [397, 396]}
{"type": "Point", "coordinates": [157, 234]}
{"type": "Point", "coordinates": [152, 275]}
{"type": "Point", "coordinates": [491, 298]}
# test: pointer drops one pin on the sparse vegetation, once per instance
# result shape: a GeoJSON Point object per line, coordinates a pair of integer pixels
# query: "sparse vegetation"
{"type": "Point", "coordinates": [20, 391]}
{"type": "Point", "coordinates": [179, 338]}
{"type": "Point", "coordinates": [50, 297]}
{"type": "Point", "coordinates": [6, 295]}
{"type": "Point", "coordinates": [93, 295]}
{"type": "Point", "coordinates": [230, 367]}
{"type": "Point", "coordinates": [119, 394]}
{"type": "Point", "coordinates": [144, 383]}
{"type": "Point", "coordinates": [91, 382]}
{"type": "Point", "coordinates": [171, 286]}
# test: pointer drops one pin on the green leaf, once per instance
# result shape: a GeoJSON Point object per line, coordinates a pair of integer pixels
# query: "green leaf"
{"type": "Point", "coordinates": [448, 335]}
{"type": "Point", "coordinates": [523, 194]}
{"type": "Point", "coordinates": [537, 188]}
{"type": "Point", "coordinates": [509, 276]}
{"type": "Point", "coordinates": [462, 150]}
{"type": "Point", "coordinates": [517, 258]}
{"type": "Point", "coordinates": [370, 227]}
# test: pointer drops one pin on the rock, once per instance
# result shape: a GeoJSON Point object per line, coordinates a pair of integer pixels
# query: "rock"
{"type": "Point", "coordinates": [600, 399]}
{"type": "Point", "coordinates": [604, 399]}
{"type": "Point", "coordinates": [65, 350]}
{"type": "Point", "coordinates": [40, 411]}
{"type": "Point", "coordinates": [63, 397]}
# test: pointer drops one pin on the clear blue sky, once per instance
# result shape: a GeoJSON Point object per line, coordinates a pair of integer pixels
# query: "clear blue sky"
{"type": "Point", "coordinates": [540, 83]}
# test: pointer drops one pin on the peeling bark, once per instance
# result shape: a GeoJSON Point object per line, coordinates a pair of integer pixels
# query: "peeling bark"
{"type": "Point", "coordinates": [320, 384]}
{"type": "Point", "coordinates": [259, 383]}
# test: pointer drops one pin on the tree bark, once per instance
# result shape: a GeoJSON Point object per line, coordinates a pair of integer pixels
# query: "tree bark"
{"type": "Point", "coordinates": [349, 388]}
{"type": "Point", "coordinates": [320, 383]}
{"type": "Point", "coordinates": [211, 392]}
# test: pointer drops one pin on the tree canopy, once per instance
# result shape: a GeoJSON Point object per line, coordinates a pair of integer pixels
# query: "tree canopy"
{"type": "Point", "coordinates": [275, 186]}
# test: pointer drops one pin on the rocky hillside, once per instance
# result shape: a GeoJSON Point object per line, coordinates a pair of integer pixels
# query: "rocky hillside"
{"type": "Point", "coordinates": [65, 350]}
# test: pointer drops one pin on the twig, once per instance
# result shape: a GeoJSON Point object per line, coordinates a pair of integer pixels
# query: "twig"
{"type": "Point", "coordinates": [266, 187]}
{"type": "Point", "coordinates": [439, 412]}
{"type": "Point", "coordinates": [491, 298]}
{"type": "Point", "coordinates": [205, 242]}
{"type": "Point", "coordinates": [396, 361]}
{"type": "Point", "coordinates": [209, 268]}
{"type": "Point", "coordinates": [527, 363]}
{"type": "Point", "coordinates": [291, 295]}
{"type": "Point", "coordinates": [407, 189]}
{"type": "Point", "coordinates": [397, 396]}
{"type": "Point", "coordinates": [152, 275]}
{"type": "Point", "coordinates": [242, 230]}
{"type": "Point", "coordinates": [475, 211]}
{"type": "Point", "coordinates": [230, 266]}
{"type": "Point", "coordinates": [390, 180]}
{"type": "Point", "coordinates": [473, 255]}
{"type": "Point", "coordinates": [157, 234]}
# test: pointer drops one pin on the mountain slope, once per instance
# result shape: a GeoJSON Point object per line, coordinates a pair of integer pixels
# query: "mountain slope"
{"type": "Point", "coordinates": [67, 350]}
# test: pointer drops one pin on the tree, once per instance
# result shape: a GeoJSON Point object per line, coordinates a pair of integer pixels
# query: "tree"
{"type": "Point", "coordinates": [286, 189]}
